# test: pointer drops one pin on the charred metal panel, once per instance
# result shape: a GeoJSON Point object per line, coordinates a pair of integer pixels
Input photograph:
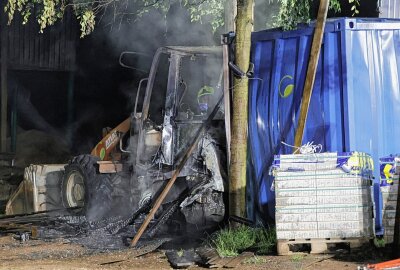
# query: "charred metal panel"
{"type": "Point", "coordinates": [53, 50]}
{"type": "Point", "coordinates": [168, 136]}
{"type": "Point", "coordinates": [184, 134]}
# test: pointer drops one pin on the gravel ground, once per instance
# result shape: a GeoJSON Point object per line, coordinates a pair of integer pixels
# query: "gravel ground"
{"type": "Point", "coordinates": [59, 254]}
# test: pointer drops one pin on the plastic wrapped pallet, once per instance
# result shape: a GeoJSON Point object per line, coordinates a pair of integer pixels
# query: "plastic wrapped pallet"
{"type": "Point", "coordinates": [326, 195]}
{"type": "Point", "coordinates": [389, 184]}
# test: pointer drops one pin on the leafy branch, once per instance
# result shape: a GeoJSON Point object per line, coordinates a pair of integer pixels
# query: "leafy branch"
{"type": "Point", "coordinates": [293, 12]}
{"type": "Point", "coordinates": [47, 12]}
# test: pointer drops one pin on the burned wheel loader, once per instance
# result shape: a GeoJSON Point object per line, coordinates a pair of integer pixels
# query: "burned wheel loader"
{"type": "Point", "coordinates": [128, 168]}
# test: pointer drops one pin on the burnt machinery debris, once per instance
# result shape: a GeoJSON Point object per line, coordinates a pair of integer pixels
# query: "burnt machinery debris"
{"type": "Point", "coordinates": [115, 186]}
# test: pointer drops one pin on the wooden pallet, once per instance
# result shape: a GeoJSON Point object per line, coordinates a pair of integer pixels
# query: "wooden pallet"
{"type": "Point", "coordinates": [317, 246]}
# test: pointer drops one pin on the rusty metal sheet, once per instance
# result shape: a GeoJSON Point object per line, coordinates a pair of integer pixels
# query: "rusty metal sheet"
{"type": "Point", "coordinates": [109, 166]}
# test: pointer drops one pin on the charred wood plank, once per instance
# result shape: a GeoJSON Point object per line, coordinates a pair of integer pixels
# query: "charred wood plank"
{"type": "Point", "coordinates": [182, 259]}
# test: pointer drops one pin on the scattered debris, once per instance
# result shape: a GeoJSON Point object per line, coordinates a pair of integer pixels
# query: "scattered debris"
{"type": "Point", "coordinates": [182, 258]}
{"type": "Point", "coordinates": [76, 229]}
{"type": "Point", "coordinates": [208, 255]}
{"type": "Point", "coordinates": [235, 262]}
{"type": "Point", "coordinates": [22, 236]}
{"type": "Point", "coordinates": [211, 259]}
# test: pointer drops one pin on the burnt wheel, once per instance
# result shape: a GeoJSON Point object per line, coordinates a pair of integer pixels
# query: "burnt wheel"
{"type": "Point", "coordinates": [86, 190]}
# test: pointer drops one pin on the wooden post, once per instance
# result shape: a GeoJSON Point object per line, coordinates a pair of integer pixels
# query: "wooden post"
{"type": "Point", "coordinates": [311, 71]}
{"type": "Point", "coordinates": [238, 161]}
{"type": "Point", "coordinates": [230, 17]}
{"type": "Point", "coordinates": [227, 102]}
{"type": "Point", "coordinates": [3, 84]}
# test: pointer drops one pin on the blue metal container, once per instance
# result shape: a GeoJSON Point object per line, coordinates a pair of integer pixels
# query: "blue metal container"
{"type": "Point", "coordinates": [389, 9]}
{"type": "Point", "coordinates": [355, 103]}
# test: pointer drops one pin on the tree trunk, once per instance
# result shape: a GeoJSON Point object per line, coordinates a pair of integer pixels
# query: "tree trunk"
{"type": "Point", "coordinates": [237, 171]}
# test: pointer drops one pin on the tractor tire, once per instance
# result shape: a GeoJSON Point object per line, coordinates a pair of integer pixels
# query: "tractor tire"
{"type": "Point", "coordinates": [86, 190]}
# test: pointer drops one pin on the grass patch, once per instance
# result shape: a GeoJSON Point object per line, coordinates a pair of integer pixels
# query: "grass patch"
{"type": "Point", "coordinates": [232, 241]}
{"type": "Point", "coordinates": [379, 242]}
{"type": "Point", "coordinates": [265, 240]}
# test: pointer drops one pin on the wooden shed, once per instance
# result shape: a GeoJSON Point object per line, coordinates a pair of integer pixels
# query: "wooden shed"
{"type": "Point", "coordinates": [53, 50]}
{"type": "Point", "coordinates": [24, 48]}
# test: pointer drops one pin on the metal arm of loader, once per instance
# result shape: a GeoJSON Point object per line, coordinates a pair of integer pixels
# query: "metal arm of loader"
{"type": "Point", "coordinates": [104, 148]}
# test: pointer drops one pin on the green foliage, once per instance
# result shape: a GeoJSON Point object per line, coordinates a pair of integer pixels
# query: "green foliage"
{"type": "Point", "coordinates": [47, 12]}
{"type": "Point", "coordinates": [86, 21]}
{"type": "Point", "coordinates": [379, 242]}
{"type": "Point", "coordinates": [231, 241]}
{"type": "Point", "coordinates": [293, 12]}
{"type": "Point", "coordinates": [265, 240]}
{"type": "Point", "coordinates": [354, 8]}
{"type": "Point", "coordinates": [212, 10]}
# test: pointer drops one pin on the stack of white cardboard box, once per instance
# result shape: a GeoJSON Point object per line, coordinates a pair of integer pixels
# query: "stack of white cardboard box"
{"type": "Point", "coordinates": [323, 196]}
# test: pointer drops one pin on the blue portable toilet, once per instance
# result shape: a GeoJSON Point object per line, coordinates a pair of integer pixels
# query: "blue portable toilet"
{"type": "Point", "coordinates": [354, 105]}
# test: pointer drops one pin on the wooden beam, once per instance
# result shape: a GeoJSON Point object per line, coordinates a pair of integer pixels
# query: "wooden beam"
{"type": "Point", "coordinates": [311, 71]}
{"type": "Point", "coordinates": [3, 83]}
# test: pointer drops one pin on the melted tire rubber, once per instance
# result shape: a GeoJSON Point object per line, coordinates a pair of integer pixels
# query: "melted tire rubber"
{"type": "Point", "coordinates": [97, 186]}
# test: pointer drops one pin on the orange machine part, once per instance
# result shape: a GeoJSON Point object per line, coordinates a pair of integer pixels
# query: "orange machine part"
{"type": "Point", "coordinates": [384, 265]}
{"type": "Point", "coordinates": [104, 148]}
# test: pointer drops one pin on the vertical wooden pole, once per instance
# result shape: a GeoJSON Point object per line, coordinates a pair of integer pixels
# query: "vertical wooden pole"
{"type": "Point", "coordinates": [3, 84]}
{"type": "Point", "coordinates": [237, 169]}
{"type": "Point", "coordinates": [230, 17]}
{"type": "Point", "coordinates": [227, 102]}
{"type": "Point", "coordinates": [311, 71]}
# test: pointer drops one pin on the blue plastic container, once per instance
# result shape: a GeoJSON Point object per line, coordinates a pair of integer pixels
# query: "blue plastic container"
{"type": "Point", "coordinates": [354, 106]}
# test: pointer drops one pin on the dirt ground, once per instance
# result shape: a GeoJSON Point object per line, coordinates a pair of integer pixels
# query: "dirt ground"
{"type": "Point", "coordinates": [37, 254]}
